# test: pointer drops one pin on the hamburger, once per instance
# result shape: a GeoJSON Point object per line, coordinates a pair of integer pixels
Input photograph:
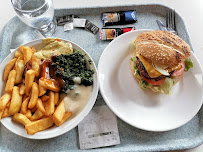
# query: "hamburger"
{"type": "Point", "coordinates": [159, 60]}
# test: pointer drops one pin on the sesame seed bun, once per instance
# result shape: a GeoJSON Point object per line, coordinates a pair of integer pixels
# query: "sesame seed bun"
{"type": "Point", "coordinates": [162, 47]}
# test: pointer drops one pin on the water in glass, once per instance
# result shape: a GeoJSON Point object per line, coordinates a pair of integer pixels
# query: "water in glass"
{"type": "Point", "coordinates": [35, 13]}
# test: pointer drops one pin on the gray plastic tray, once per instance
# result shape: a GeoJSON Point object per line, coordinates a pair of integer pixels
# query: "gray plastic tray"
{"type": "Point", "coordinates": [16, 33]}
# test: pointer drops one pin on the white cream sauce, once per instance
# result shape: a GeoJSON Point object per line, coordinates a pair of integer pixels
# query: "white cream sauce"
{"type": "Point", "coordinates": [77, 99]}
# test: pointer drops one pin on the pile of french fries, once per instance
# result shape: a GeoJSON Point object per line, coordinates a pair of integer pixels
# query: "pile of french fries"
{"type": "Point", "coordinates": [31, 100]}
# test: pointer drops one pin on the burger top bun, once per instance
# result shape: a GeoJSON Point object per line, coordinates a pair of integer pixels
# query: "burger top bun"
{"type": "Point", "coordinates": [162, 47]}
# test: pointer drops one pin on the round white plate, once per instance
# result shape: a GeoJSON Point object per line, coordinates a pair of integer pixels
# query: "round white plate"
{"type": "Point", "coordinates": [69, 124]}
{"type": "Point", "coordinates": [145, 109]}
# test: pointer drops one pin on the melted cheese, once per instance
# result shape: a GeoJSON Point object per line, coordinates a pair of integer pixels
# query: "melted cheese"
{"type": "Point", "coordinates": [152, 72]}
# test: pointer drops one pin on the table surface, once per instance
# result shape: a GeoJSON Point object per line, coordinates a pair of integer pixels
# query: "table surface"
{"type": "Point", "coordinates": [191, 12]}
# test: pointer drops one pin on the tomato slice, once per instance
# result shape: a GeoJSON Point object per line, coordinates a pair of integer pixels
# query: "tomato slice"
{"type": "Point", "coordinates": [179, 71]}
{"type": "Point", "coordinates": [153, 81]}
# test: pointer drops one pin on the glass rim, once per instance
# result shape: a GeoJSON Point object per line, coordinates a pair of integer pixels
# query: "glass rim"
{"type": "Point", "coordinates": [27, 11]}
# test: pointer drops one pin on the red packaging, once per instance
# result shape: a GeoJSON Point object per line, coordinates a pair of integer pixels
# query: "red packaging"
{"type": "Point", "coordinates": [112, 33]}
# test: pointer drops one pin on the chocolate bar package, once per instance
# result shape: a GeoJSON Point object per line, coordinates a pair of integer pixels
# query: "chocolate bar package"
{"type": "Point", "coordinates": [112, 33]}
{"type": "Point", "coordinates": [119, 18]}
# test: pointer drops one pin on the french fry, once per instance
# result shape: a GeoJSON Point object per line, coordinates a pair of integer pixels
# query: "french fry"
{"type": "Point", "coordinates": [20, 58]}
{"type": "Point", "coordinates": [42, 90]}
{"type": "Point", "coordinates": [36, 65]}
{"type": "Point", "coordinates": [56, 98]}
{"type": "Point", "coordinates": [24, 105]}
{"type": "Point", "coordinates": [19, 71]}
{"type": "Point", "coordinates": [28, 114]}
{"type": "Point", "coordinates": [65, 117]}
{"type": "Point", "coordinates": [27, 53]}
{"type": "Point", "coordinates": [59, 113]}
{"type": "Point", "coordinates": [34, 95]}
{"type": "Point", "coordinates": [49, 108]}
{"type": "Point", "coordinates": [16, 101]}
{"type": "Point", "coordinates": [61, 97]}
{"type": "Point", "coordinates": [33, 50]}
{"type": "Point", "coordinates": [48, 84]}
{"type": "Point", "coordinates": [4, 100]}
{"type": "Point", "coordinates": [8, 104]}
{"type": "Point", "coordinates": [10, 82]}
{"type": "Point", "coordinates": [24, 97]}
{"type": "Point", "coordinates": [39, 125]}
{"type": "Point", "coordinates": [29, 79]}
{"type": "Point", "coordinates": [37, 115]}
{"type": "Point", "coordinates": [45, 98]}
{"type": "Point", "coordinates": [22, 89]}
{"type": "Point", "coordinates": [20, 118]}
{"type": "Point", "coordinates": [6, 113]}
{"type": "Point", "coordinates": [18, 54]}
{"type": "Point", "coordinates": [44, 104]}
{"type": "Point", "coordinates": [34, 109]}
{"type": "Point", "coordinates": [8, 68]}
{"type": "Point", "coordinates": [21, 48]}
{"type": "Point", "coordinates": [40, 106]}
{"type": "Point", "coordinates": [1, 114]}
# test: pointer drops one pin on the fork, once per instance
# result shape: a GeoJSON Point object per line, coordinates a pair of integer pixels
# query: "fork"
{"type": "Point", "coordinates": [170, 21]}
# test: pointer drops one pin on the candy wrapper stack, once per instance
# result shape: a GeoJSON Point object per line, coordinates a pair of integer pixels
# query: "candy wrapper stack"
{"type": "Point", "coordinates": [108, 19]}
{"type": "Point", "coordinates": [71, 21]}
{"type": "Point", "coordinates": [117, 18]}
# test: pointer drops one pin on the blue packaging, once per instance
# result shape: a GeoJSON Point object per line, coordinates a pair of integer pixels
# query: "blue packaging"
{"type": "Point", "coordinates": [130, 16]}
{"type": "Point", "coordinates": [119, 18]}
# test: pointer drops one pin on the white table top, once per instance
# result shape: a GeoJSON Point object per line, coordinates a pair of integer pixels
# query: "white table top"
{"type": "Point", "coordinates": [191, 12]}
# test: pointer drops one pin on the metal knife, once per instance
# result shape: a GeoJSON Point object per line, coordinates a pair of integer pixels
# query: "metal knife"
{"type": "Point", "coordinates": [161, 25]}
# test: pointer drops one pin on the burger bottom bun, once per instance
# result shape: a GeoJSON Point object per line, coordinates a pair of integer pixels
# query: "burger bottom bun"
{"type": "Point", "coordinates": [132, 63]}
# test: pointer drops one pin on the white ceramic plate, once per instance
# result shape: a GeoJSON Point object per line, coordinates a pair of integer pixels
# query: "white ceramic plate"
{"type": "Point", "coordinates": [145, 109]}
{"type": "Point", "coordinates": [53, 131]}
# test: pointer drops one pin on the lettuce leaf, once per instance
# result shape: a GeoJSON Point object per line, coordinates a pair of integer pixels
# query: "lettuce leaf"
{"type": "Point", "coordinates": [143, 84]}
{"type": "Point", "coordinates": [166, 86]}
{"type": "Point", "coordinates": [188, 64]}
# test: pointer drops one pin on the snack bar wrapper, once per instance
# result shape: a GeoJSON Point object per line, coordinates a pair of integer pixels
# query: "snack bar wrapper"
{"type": "Point", "coordinates": [112, 33]}
{"type": "Point", "coordinates": [119, 18]}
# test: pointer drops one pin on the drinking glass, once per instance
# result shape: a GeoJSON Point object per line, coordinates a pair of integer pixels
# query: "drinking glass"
{"type": "Point", "coordinates": [37, 14]}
